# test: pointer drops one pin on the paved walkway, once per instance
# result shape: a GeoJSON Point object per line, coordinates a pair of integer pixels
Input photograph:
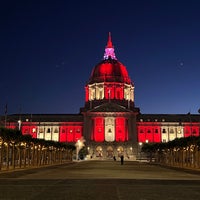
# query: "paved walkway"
{"type": "Point", "coordinates": [100, 180]}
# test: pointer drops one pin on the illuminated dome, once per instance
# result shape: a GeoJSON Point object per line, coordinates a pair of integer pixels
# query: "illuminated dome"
{"type": "Point", "coordinates": [109, 82]}
{"type": "Point", "coordinates": [109, 69]}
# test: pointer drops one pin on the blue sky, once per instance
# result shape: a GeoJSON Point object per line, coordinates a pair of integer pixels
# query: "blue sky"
{"type": "Point", "coordinates": [48, 50]}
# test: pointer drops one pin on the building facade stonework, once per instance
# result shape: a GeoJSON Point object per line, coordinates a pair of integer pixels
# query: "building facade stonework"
{"type": "Point", "coordinates": [109, 121]}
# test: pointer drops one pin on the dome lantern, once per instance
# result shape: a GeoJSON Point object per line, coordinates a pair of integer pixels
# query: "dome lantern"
{"type": "Point", "coordinates": [109, 50]}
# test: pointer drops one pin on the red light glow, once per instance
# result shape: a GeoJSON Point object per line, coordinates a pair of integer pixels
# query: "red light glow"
{"type": "Point", "coordinates": [98, 129]}
{"type": "Point", "coordinates": [149, 133]}
{"type": "Point", "coordinates": [191, 130]}
{"type": "Point", "coordinates": [120, 129]}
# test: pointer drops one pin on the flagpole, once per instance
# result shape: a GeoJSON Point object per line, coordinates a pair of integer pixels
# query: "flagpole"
{"type": "Point", "coordinates": [6, 110]}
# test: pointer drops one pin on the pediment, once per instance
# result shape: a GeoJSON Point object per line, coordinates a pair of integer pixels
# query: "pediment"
{"type": "Point", "coordinates": [110, 107]}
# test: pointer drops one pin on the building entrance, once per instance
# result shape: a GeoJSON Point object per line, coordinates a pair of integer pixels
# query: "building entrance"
{"type": "Point", "coordinates": [109, 152]}
{"type": "Point", "coordinates": [120, 151]}
{"type": "Point", "coordinates": [99, 151]}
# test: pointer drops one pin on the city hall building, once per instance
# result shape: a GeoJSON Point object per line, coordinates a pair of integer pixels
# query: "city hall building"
{"type": "Point", "coordinates": [109, 121]}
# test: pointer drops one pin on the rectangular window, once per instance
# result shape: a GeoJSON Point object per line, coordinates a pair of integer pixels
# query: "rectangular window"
{"type": "Point", "coordinates": [164, 130]}
{"type": "Point", "coordinates": [56, 130]}
{"type": "Point", "coordinates": [171, 130]}
{"type": "Point", "coordinates": [194, 131]}
{"type": "Point", "coordinates": [41, 130]}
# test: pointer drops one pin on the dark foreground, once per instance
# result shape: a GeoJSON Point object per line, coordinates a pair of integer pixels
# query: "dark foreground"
{"type": "Point", "coordinates": [100, 180]}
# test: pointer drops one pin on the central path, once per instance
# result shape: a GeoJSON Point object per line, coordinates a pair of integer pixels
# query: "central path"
{"type": "Point", "coordinates": [100, 180]}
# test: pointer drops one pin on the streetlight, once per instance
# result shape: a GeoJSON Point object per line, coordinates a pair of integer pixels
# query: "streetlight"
{"type": "Point", "coordinates": [79, 145]}
{"type": "Point", "coordinates": [140, 149]}
{"type": "Point", "coordinates": [77, 148]}
{"type": "Point", "coordinates": [19, 124]}
{"type": "Point", "coordinates": [131, 152]}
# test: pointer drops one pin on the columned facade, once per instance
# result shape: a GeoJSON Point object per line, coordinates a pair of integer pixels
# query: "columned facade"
{"type": "Point", "coordinates": [109, 121]}
{"type": "Point", "coordinates": [109, 112]}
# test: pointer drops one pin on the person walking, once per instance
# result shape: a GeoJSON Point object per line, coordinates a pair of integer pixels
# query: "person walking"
{"type": "Point", "coordinates": [114, 158]}
{"type": "Point", "coordinates": [122, 159]}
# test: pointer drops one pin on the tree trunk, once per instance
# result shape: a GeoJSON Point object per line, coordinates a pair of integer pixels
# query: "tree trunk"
{"type": "Point", "coordinates": [25, 155]}
{"type": "Point", "coordinates": [13, 155]}
{"type": "Point", "coordinates": [1, 155]}
{"type": "Point", "coordinates": [7, 156]}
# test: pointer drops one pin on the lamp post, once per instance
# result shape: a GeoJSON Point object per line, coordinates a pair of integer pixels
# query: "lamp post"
{"type": "Point", "coordinates": [19, 124]}
{"type": "Point", "coordinates": [88, 152]}
{"type": "Point", "coordinates": [140, 149]}
{"type": "Point", "coordinates": [77, 148]}
{"type": "Point", "coordinates": [131, 154]}
{"type": "Point", "coordinates": [79, 145]}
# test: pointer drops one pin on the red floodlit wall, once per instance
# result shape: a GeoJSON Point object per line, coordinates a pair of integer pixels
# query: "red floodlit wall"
{"type": "Point", "coordinates": [67, 133]}
{"type": "Point", "coordinates": [70, 133]}
{"type": "Point", "coordinates": [191, 130]}
{"type": "Point", "coordinates": [106, 92]}
{"type": "Point", "coordinates": [195, 131]}
{"type": "Point", "coordinates": [126, 129]}
{"type": "Point", "coordinates": [120, 134]}
{"type": "Point", "coordinates": [86, 94]}
{"type": "Point", "coordinates": [98, 129]}
{"type": "Point", "coordinates": [119, 93]}
{"type": "Point", "coordinates": [12, 125]}
{"type": "Point", "coordinates": [109, 93]}
{"type": "Point", "coordinates": [150, 133]}
{"type": "Point", "coordinates": [29, 129]}
{"type": "Point", "coordinates": [141, 134]}
{"type": "Point", "coordinates": [63, 134]}
{"type": "Point", "coordinates": [187, 131]}
{"type": "Point", "coordinates": [157, 133]}
{"type": "Point", "coordinates": [25, 130]}
{"type": "Point", "coordinates": [112, 90]}
{"type": "Point", "coordinates": [78, 133]}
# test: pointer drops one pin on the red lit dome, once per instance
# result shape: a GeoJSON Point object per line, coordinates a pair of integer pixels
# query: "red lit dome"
{"type": "Point", "coordinates": [109, 70]}
{"type": "Point", "coordinates": [109, 81]}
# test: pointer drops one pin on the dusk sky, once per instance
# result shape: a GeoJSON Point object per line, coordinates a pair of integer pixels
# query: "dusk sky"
{"type": "Point", "coordinates": [49, 48]}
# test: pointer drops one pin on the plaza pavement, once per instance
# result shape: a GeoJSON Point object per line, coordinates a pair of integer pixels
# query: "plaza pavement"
{"type": "Point", "coordinates": [100, 180]}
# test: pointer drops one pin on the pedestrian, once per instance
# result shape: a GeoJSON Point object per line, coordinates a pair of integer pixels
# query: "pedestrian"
{"type": "Point", "coordinates": [122, 159]}
{"type": "Point", "coordinates": [114, 158]}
